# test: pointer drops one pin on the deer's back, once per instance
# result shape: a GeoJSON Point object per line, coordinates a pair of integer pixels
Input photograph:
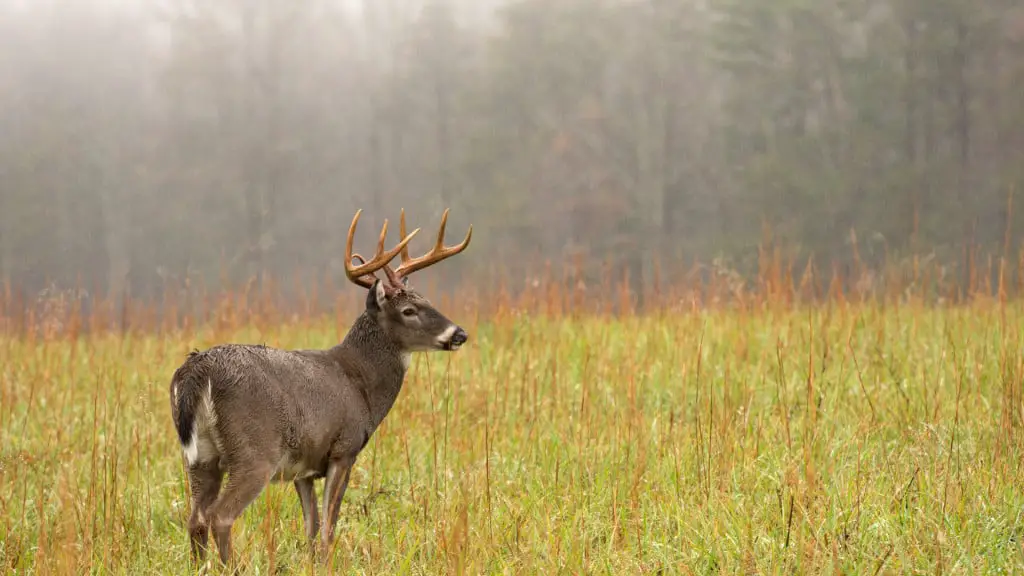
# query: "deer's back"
{"type": "Point", "coordinates": [291, 407]}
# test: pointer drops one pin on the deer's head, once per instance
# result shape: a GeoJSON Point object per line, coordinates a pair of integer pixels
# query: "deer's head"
{"type": "Point", "coordinates": [410, 319]}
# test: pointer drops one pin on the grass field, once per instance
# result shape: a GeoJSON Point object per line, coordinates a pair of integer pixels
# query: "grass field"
{"type": "Point", "coordinates": [834, 439]}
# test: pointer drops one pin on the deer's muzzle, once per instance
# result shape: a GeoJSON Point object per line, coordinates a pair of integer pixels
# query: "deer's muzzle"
{"type": "Point", "coordinates": [453, 338]}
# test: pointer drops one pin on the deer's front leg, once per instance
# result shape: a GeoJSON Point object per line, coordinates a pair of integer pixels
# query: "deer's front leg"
{"type": "Point", "coordinates": [307, 497]}
{"type": "Point", "coordinates": [335, 484]}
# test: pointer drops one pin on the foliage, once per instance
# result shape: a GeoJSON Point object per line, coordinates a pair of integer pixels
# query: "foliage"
{"type": "Point", "coordinates": [240, 137]}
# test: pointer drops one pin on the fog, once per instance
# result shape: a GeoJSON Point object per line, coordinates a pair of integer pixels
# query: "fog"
{"type": "Point", "coordinates": [143, 144]}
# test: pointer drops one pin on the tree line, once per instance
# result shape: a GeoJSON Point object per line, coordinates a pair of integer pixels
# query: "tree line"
{"type": "Point", "coordinates": [143, 145]}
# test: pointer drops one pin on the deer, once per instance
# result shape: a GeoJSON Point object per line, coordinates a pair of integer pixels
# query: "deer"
{"type": "Point", "coordinates": [261, 414]}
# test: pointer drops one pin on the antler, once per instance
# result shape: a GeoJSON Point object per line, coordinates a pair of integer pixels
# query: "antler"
{"type": "Point", "coordinates": [362, 274]}
{"type": "Point", "coordinates": [437, 253]}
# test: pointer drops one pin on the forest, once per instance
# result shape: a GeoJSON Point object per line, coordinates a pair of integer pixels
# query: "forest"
{"type": "Point", "coordinates": [145, 146]}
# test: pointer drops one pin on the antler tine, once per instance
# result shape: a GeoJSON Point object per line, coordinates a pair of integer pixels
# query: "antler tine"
{"type": "Point", "coordinates": [439, 245]}
{"type": "Point", "coordinates": [437, 253]}
{"type": "Point", "coordinates": [380, 241]}
{"type": "Point", "coordinates": [401, 231]}
{"type": "Point", "coordinates": [362, 274]}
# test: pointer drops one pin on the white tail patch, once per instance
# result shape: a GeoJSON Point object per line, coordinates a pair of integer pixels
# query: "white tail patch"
{"type": "Point", "coordinates": [192, 449]}
{"type": "Point", "coordinates": [203, 444]}
{"type": "Point", "coordinates": [406, 360]}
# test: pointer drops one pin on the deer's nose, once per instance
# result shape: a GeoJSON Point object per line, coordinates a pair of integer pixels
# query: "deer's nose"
{"type": "Point", "coordinates": [458, 338]}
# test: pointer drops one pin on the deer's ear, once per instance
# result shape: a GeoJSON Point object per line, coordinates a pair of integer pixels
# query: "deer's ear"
{"type": "Point", "coordinates": [379, 293]}
{"type": "Point", "coordinates": [376, 296]}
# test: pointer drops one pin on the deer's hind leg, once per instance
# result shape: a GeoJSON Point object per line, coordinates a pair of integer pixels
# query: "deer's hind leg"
{"type": "Point", "coordinates": [245, 482]}
{"type": "Point", "coordinates": [204, 479]}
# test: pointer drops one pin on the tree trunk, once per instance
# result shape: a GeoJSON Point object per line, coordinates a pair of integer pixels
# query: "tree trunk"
{"type": "Point", "coordinates": [963, 125]}
{"type": "Point", "coordinates": [116, 244]}
{"type": "Point", "coordinates": [251, 159]}
{"type": "Point", "coordinates": [910, 127]}
{"type": "Point", "coordinates": [6, 261]}
{"type": "Point", "coordinates": [443, 142]}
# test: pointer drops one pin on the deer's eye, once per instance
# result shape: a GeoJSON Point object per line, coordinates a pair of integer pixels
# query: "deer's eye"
{"type": "Point", "coordinates": [409, 311]}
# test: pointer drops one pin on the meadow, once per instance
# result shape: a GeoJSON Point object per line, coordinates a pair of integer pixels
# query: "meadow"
{"type": "Point", "coordinates": [765, 436]}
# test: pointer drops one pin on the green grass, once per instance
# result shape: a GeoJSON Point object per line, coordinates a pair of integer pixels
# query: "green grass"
{"type": "Point", "coordinates": [832, 440]}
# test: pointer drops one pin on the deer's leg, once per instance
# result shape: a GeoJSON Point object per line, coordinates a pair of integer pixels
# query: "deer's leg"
{"type": "Point", "coordinates": [204, 479]}
{"type": "Point", "coordinates": [243, 486]}
{"type": "Point", "coordinates": [335, 484]}
{"type": "Point", "coordinates": [307, 497]}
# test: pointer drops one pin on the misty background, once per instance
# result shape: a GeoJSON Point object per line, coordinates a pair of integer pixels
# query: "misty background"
{"type": "Point", "coordinates": [146, 144]}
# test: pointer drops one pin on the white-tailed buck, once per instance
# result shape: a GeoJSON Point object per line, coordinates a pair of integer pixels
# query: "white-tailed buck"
{"type": "Point", "coordinates": [261, 414]}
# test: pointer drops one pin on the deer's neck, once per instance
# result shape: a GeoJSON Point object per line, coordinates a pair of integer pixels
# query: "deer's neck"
{"type": "Point", "coordinates": [375, 364]}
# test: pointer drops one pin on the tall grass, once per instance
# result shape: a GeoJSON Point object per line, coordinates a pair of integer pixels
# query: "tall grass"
{"type": "Point", "coordinates": [783, 427]}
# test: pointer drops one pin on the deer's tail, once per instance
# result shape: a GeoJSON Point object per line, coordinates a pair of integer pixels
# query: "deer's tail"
{"type": "Point", "coordinates": [187, 388]}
